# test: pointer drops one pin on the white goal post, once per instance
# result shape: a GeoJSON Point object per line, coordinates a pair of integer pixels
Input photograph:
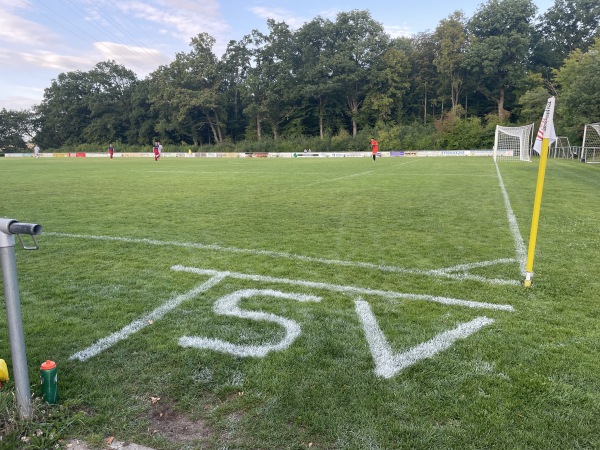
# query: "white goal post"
{"type": "Point", "coordinates": [513, 143]}
{"type": "Point", "coordinates": [561, 148]}
{"type": "Point", "coordinates": [590, 149]}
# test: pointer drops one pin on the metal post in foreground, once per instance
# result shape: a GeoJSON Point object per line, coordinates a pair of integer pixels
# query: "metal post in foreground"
{"type": "Point", "coordinates": [8, 228]}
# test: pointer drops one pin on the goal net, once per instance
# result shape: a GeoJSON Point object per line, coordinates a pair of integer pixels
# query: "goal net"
{"type": "Point", "coordinates": [513, 143]}
{"type": "Point", "coordinates": [561, 148]}
{"type": "Point", "coordinates": [590, 149]}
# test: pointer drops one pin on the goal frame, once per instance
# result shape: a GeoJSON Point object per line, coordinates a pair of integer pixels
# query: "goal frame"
{"type": "Point", "coordinates": [561, 148]}
{"type": "Point", "coordinates": [590, 148]}
{"type": "Point", "coordinates": [513, 143]}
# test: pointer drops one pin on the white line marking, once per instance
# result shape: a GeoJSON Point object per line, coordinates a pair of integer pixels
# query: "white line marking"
{"type": "Point", "coordinates": [468, 266]}
{"type": "Point", "coordinates": [228, 306]}
{"type": "Point", "coordinates": [348, 289]}
{"type": "Point", "coordinates": [145, 320]}
{"type": "Point", "coordinates": [388, 364]}
{"type": "Point", "coordinates": [359, 174]}
{"type": "Point", "coordinates": [514, 227]}
{"type": "Point", "coordinates": [442, 273]}
{"type": "Point", "coordinates": [218, 276]}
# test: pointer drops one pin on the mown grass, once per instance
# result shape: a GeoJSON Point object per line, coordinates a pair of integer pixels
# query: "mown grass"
{"type": "Point", "coordinates": [529, 380]}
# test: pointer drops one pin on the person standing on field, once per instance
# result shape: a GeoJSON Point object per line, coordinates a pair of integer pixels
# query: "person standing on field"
{"type": "Point", "coordinates": [36, 150]}
{"type": "Point", "coordinates": [159, 150]}
{"type": "Point", "coordinates": [155, 150]}
{"type": "Point", "coordinates": [374, 148]}
{"type": "Point", "coordinates": [111, 151]}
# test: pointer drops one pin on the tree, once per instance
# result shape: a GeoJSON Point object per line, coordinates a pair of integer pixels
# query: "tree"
{"type": "Point", "coordinates": [579, 85]}
{"type": "Point", "coordinates": [15, 126]}
{"type": "Point", "coordinates": [271, 85]}
{"type": "Point", "coordinates": [500, 35]}
{"type": "Point", "coordinates": [64, 111]}
{"type": "Point", "coordinates": [389, 83]}
{"type": "Point", "coordinates": [187, 93]}
{"type": "Point", "coordinates": [92, 106]}
{"type": "Point", "coordinates": [451, 43]}
{"type": "Point", "coordinates": [255, 86]}
{"type": "Point", "coordinates": [532, 103]}
{"type": "Point", "coordinates": [566, 26]}
{"type": "Point", "coordinates": [235, 65]}
{"type": "Point", "coordinates": [108, 101]}
{"type": "Point", "coordinates": [360, 43]}
{"type": "Point", "coordinates": [424, 77]}
{"type": "Point", "coordinates": [331, 77]}
{"type": "Point", "coordinates": [276, 63]}
{"type": "Point", "coordinates": [143, 118]}
{"type": "Point", "coordinates": [315, 49]}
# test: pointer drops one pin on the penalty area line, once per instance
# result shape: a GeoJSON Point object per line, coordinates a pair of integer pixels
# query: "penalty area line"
{"type": "Point", "coordinates": [440, 273]}
{"type": "Point", "coordinates": [348, 289]}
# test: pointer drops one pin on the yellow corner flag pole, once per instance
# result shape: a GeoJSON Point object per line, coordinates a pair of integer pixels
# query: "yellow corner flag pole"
{"type": "Point", "coordinates": [542, 143]}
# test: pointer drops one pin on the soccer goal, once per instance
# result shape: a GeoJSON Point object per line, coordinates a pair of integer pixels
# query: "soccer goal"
{"type": "Point", "coordinates": [590, 149]}
{"type": "Point", "coordinates": [513, 143]}
{"type": "Point", "coordinates": [561, 148]}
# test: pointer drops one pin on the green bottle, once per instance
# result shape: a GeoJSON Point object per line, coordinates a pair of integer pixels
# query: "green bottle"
{"type": "Point", "coordinates": [49, 381]}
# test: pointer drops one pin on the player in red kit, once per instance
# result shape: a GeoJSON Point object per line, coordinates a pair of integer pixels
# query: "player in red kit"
{"type": "Point", "coordinates": [374, 148]}
{"type": "Point", "coordinates": [155, 150]}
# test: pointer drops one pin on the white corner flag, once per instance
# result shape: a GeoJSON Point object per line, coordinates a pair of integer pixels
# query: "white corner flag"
{"type": "Point", "coordinates": [546, 130]}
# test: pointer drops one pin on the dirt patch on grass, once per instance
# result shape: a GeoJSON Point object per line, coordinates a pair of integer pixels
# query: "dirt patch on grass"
{"type": "Point", "coordinates": [174, 425]}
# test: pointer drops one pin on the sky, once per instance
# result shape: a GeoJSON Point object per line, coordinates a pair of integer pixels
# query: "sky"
{"type": "Point", "coordinates": [39, 39]}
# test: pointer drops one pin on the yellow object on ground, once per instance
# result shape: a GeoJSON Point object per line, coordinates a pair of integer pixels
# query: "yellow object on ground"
{"type": "Point", "coordinates": [3, 371]}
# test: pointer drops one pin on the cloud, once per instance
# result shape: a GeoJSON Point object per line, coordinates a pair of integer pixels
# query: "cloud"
{"type": "Point", "coordinates": [139, 59]}
{"type": "Point", "coordinates": [14, 4]}
{"type": "Point", "coordinates": [181, 19]}
{"type": "Point", "coordinates": [295, 22]}
{"type": "Point", "coordinates": [50, 60]}
{"type": "Point", "coordinates": [279, 15]}
{"type": "Point", "coordinates": [15, 30]}
{"type": "Point", "coordinates": [330, 13]}
{"type": "Point", "coordinates": [398, 31]}
{"type": "Point", "coordinates": [17, 103]}
{"type": "Point", "coordinates": [31, 60]}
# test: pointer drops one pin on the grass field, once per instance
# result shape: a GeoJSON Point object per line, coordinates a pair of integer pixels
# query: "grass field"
{"type": "Point", "coordinates": [295, 303]}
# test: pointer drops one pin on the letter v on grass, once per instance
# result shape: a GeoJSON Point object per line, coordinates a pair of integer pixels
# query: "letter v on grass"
{"type": "Point", "coordinates": [545, 136]}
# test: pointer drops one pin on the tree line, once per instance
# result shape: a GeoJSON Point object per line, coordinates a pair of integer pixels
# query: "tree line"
{"type": "Point", "coordinates": [332, 84]}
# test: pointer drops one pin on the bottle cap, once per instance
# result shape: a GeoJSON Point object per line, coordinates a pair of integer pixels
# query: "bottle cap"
{"type": "Point", "coordinates": [48, 365]}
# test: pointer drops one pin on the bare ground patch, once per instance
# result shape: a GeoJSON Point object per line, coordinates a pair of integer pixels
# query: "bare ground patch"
{"type": "Point", "coordinates": [176, 426]}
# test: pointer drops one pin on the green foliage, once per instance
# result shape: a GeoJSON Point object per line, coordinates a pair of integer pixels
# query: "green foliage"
{"type": "Point", "coordinates": [47, 428]}
{"type": "Point", "coordinates": [85, 107]}
{"type": "Point", "coordinates": [579, 84]}
{"type": "Point", "coordinates": [451, 37]}
{"type": "Point", "coordinates": [568, 25]}
{"type": "Point", "coordinates": [328, 77]}
{"type": "Point", "coordinates": [186, 95]}
{"type": "Point", "coordinates": [389, 137]}
{"type": "Point", "coordinates": [501, 32]}
{"type": "Point", "coordinates": [532, 102]}
{"type": "Point", "coordinates": [417, 136]}
{"type": "Point", "coordinates": [14, 127]}
{"type": "Point", "coordinates": [461, 134]}
{"type": "Point", "coordinates": [392, 79]}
